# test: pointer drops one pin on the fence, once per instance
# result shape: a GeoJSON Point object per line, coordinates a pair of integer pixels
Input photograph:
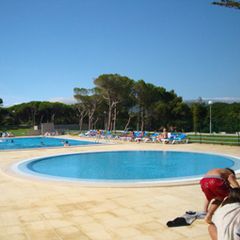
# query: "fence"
{"type": "Point", "coordinates": [224, 139]}
{"type": "Point", "coordinates": [50, 127]}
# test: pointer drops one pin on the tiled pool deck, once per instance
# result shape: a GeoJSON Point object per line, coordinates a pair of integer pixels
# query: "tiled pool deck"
{"type": "Point", "coordinates": [33, 209]}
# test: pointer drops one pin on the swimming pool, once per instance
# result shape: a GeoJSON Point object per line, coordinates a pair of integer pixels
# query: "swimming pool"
{"type": "Point", "coordinates": [127, 166]}
{"type": "Point", "coordinates": [38, 142]}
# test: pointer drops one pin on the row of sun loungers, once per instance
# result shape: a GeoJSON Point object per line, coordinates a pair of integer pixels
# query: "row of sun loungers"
{"type": "Point", "coordinates": [6, 134]}
{"type": "Point", "coordinates": [137, 136]}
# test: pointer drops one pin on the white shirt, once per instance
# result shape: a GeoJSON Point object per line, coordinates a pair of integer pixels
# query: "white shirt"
{"type": "Point", "coordinates": [227, 221]}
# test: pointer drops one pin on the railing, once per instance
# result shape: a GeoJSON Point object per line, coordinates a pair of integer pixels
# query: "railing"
{"type": "Point", "coordinates": [224, 139]}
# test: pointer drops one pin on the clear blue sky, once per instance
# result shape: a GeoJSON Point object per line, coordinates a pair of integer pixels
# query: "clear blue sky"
{"type": "Point", "coordinates": [49, 47]}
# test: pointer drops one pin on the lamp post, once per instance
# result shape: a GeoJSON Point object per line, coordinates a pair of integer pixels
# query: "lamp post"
{"type": "Point", "coordinates": [238, 129]}
{"type": "Point", "coordinates": [210, 116]}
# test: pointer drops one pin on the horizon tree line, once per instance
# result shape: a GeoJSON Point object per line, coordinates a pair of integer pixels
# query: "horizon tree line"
{"type": "Point", "coordinates": [120, 103]}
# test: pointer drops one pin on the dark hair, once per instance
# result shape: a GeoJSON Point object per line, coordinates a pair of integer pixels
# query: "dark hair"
{"type": "Point", "coordinates": [233, 197]}
{"type": "Point", "coordinates": [232, 171]}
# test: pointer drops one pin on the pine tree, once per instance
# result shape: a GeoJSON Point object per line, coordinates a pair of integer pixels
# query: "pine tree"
{"type": "Point", "coordinates": [228, 3]}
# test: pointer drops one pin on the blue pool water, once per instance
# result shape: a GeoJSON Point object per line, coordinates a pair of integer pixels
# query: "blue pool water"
{"type": "Point", "coordinates": [37, 142]}
{"type": "Point", "coordinates": [127, 165]}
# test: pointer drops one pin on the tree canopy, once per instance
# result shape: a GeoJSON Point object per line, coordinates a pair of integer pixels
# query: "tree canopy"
{"type": "Point", "coordinates": [228, 3]}
{"type": "Point", "coordinates": [115, 89]}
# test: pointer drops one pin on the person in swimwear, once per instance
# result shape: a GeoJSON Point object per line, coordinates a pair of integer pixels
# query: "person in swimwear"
{"type": "Point", "coordinates": [216, 185]}
{"type": "Point", "coordinates": [66, 144]}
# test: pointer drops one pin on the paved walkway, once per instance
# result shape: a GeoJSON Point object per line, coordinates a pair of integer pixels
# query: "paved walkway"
{"type": "Point", "coordinates": [32, 209]}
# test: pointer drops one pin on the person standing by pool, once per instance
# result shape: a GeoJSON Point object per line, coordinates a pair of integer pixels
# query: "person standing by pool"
{"type": "Point", "coordinates": [216, 185]}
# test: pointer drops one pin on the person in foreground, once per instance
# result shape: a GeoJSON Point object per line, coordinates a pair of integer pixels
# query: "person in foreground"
{"type": "Point", "coordinates": [216, 185]}
{"type": "Point", "coordinates": [226, 220]}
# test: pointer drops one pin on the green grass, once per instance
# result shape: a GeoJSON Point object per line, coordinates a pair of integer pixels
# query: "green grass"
{"type": "Point", "coordinates": [19, 132]}
{"type": "Point", "coordinates": [215, 139]}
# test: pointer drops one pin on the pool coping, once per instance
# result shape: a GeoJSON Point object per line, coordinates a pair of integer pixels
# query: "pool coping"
{"type": "Point", "coordinates": [63, 210]}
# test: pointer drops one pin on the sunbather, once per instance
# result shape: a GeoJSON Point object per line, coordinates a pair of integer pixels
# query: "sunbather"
{"type": "Point", "coordinates": [166, 136]}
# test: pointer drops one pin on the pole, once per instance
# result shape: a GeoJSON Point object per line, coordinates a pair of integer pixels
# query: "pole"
{"type": "Point", "coordinates": [210, 117]}
{"type": "Point", "coordinates": [210, 124]}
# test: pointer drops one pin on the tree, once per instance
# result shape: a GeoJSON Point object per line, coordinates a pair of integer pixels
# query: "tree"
{"type": "Point", "coordinates": [199, 112]}
{"type": "Point", "coordinates": [181, 115]}
{"type": "Point", "coordinates": [226, 117]}
{"type": "Point", "coordinates": [88, 100]}
{"type": "Point", "coordinates": [144, 94]}
{"type": "Point", "coordinates": [228, 3]}
{"type": "Point", "coordinates": [81, 107]}
{"type": "Point", "coordinates": [81, 113]}
{"type": "Point", "coordinates": [171, 112]}
{"type": "Point", "coordinates": [1, 112]}
{"type": "Point", "coordinates": [55, 112]}
{"type": "Point", "coordinates": [46, 112]}
{"type": "Point", "coordinates": [115, 89]}
{"type": "Point", "coordinates": [132, 113]}
{"type": "Point", "coordinates": [38, 112]}
{"type": "Point", "coordinates": [27, 112]}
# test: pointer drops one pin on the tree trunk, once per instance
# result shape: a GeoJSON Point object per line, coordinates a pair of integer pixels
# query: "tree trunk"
{"type": "Point", "coordinates": [33, 116]}
{"type": "Point", "coordinates": [109, 124]}
{"type": "Point", "coordinates": [89, 121]}
{"type": "Point", "coordinates": [114, 118]}
{"type": "Point", "coordinates": [81, 115]}
{"type": "Point", "coordinates": [53, 117]}
{"type": "Point", "coordinates": [109, 118]}
{"type": "Point", "coordinates": [90, 116]}
{"type": "Point", "coordinates": [142, 119]}
{"type": "Point", "coordinates": [80, 123]}
{"type": "Point", "coordinates": [41, 119]}
{"type": "Point", "coordinates": [128, 122]}
{"type": "Point", "coordinates": [95, 123]}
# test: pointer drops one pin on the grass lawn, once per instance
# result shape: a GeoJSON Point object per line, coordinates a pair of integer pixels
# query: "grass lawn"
{"type": "Point", "coordinates": [19, 131]}
{"type": "Point", "coordinates": [215, 139]}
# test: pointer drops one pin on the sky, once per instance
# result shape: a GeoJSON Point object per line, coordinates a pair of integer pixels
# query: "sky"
{"type": "Point", "coordinates": [50, 47]}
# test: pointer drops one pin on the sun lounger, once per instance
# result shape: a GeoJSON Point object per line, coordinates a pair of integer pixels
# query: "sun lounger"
{"type": "Point", "coordinates": [182, 138]}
